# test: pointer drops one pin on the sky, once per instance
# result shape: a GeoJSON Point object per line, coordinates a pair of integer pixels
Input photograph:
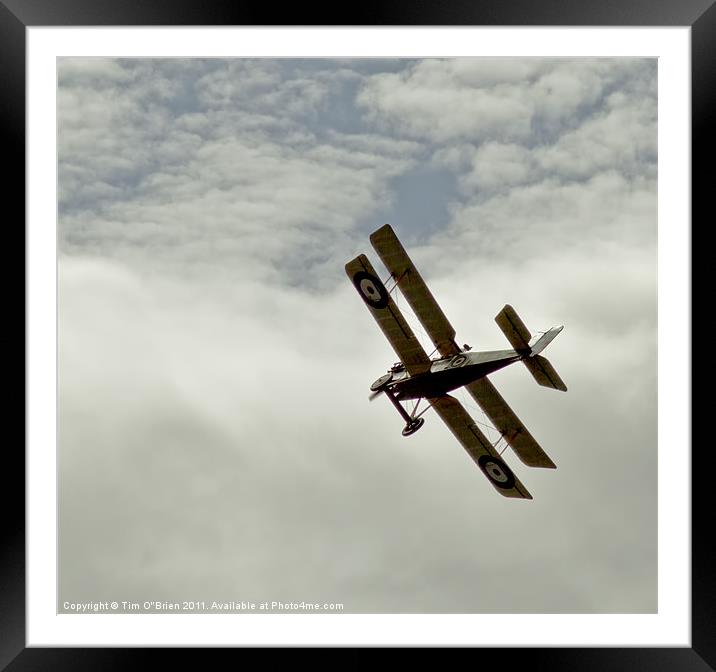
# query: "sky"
{"type": "Point", "coordinates": [215, 437]}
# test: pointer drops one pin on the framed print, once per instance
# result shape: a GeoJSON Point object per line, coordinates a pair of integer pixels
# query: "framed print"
{"type": "Point", "coordinates": [201, 467]}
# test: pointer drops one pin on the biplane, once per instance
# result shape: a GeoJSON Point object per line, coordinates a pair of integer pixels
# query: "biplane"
{"type": "Point", "coordinates": [417, 377]}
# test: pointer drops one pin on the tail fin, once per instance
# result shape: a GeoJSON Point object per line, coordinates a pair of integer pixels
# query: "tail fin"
{"type": "Point", "coordinates": [536, 345]}
{"type": "Point", "coordinates": [521, 340]}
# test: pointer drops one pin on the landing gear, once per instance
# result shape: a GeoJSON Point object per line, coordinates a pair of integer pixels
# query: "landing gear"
{"type": "Point", "coordinates": [413, 426]}
{"type": "Point", "coordinates": [412, 422]}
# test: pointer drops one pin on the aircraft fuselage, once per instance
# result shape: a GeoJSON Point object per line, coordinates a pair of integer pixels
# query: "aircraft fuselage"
{"type": "Point", "coordinates": [450, 373]}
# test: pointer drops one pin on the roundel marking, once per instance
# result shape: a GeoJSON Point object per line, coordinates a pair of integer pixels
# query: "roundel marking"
{"type": "Point", "coordinates": [497, 471]}
{"type": "Point", "coordinates": [371, 289]}
{"type": "Point", "coordinates": [458, 360]}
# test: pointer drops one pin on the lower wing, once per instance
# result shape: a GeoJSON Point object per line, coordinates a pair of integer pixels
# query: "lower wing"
{"type": "Point", "coordinates": [479, 447]}
{"type": "Point", "coordinates": [509, 425]}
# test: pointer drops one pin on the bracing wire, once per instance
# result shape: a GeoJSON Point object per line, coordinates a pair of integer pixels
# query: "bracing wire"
{"type": "Point", "coordinates": [416, 326]}
{"type": "Point", "coordinates": [491, 429]}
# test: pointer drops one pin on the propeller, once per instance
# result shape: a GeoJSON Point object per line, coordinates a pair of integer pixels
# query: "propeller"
{"type": "Point", "coordinates": [380, 385]}
{"type": "Point", "coordinates": [374, 395]}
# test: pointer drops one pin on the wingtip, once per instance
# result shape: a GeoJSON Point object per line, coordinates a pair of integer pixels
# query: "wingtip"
{"type": "Point", "coordinates": [379, 232]}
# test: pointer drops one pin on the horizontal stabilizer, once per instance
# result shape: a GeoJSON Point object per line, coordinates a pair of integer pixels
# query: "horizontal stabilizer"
{"type": "Point", "coordinates": [514, 329]}
{"type": "Point", "coordinates": [544, 373]}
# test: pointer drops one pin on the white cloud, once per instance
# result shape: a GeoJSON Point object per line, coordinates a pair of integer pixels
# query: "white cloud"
{"type": "Point", "coordinates": [549, 217]}
{"type": "Point", "coordinates": [203, 186]}
{"type": "Point", "coordinates": [95, 72]}
{"type": "Point", "coordinates": [259, 85]}
{"type": "Point", "coordinates": [623, 137]}
{"type": "Point", "coordinates": [499, 167]}
{"type": "Point", "coordinates": [208, 432]}
{"type": "Point", "coordinates": [424, 105]}
{"type": "Point", "coordinates": [475, 100]}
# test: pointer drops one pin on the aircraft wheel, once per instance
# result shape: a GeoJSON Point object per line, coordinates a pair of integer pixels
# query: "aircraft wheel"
{"type": "Point", "coordinates": [381, 382]}
{"type": "Point", "coordinates": [413, 427]}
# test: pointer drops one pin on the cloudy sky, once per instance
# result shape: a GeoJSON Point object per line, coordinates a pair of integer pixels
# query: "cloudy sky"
{"type": "Point", "coordinates": [216, 440]}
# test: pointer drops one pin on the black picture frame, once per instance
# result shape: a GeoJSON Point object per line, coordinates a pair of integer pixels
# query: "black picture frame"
{"type": "Point", "coordinates": [699, 15]}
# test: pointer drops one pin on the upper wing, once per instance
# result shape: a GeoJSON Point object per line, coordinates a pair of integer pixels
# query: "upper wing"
{"type": "Point", "coordinates": [479, 447]}
{"type": "Point", "coordinates": [387, 315]}
{"type": "Point", "coordinates": [416, 292]}
{"type": "Point", "coordinates": [509, 425]}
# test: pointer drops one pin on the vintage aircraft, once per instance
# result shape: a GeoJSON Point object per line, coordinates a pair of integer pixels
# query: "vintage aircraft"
{"type": "Point", "coordinates": [418, 377]}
